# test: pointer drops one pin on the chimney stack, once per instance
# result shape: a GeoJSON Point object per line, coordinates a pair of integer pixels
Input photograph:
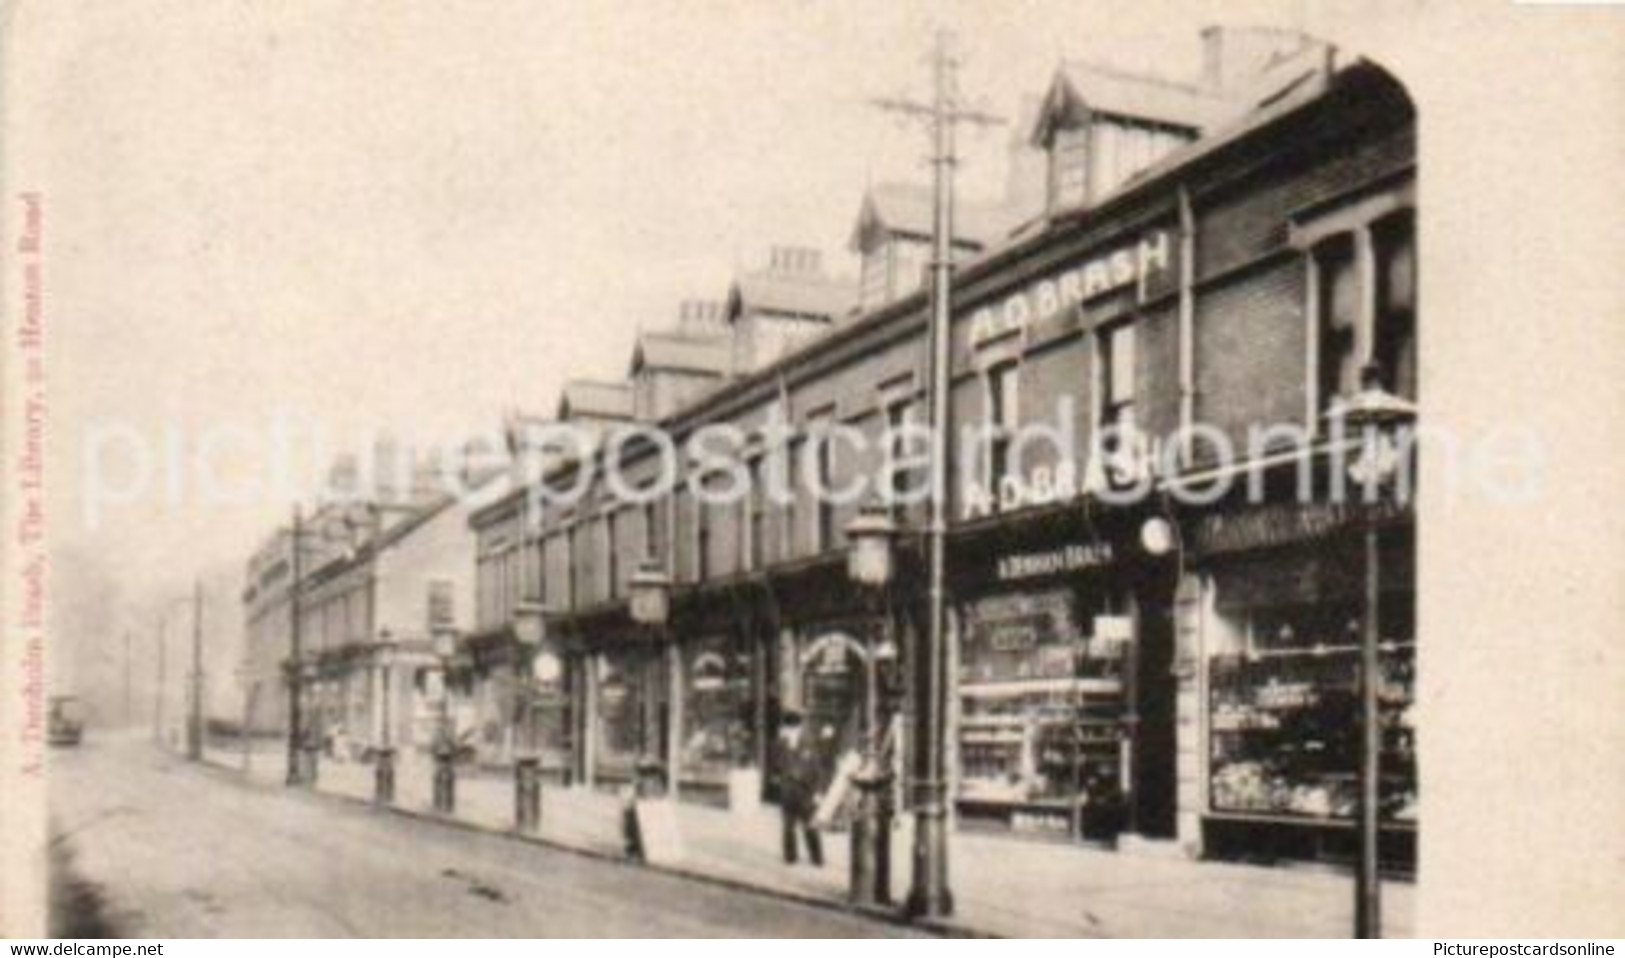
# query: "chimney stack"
{"type": "Point", "coordinates": [1234, 58]}
{"type": "Point", "coordinates": [795, 261]}
{"type": "Point", "coordinates": [700, 317]}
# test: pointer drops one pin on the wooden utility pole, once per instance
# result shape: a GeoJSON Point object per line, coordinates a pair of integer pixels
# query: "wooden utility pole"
{"type": "Point", "coordinates": [158, 690]}
{"type": "Point", "coordinates": [295, 650]}
{"type": "Point", "coordinates": [194, 721]}
{"type": "Point", "coordinates": [129, 685]}
{"type": "Point", "coordinates": [930, 896]}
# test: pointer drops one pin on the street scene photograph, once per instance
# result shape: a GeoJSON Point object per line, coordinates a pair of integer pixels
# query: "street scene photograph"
{"type": "Point", "coordinates": [714, 470]}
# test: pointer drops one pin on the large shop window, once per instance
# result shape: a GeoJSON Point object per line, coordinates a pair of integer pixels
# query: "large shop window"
{"type": "Point", "coordinates": [719, 713]}
{"type": "Point", "coordinates": [1284, 721]}
{"type": "Point", "coordinates": [624, 734]}
{"type": "Point", "coordinates": [1041, 746]}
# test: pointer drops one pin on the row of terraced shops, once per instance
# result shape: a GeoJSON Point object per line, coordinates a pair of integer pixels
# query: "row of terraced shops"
{"type": "Point", "coordinates": [1128, 670]}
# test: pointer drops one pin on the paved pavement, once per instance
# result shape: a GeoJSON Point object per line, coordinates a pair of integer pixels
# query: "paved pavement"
{"type": "Point", "coordinates": [158, 847]}
{"type": "Point", "coordinates": [1036, 888]}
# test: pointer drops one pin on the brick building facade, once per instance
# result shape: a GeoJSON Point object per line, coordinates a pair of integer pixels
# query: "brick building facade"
{"type": "Point", "coordinates": [1193, 695]}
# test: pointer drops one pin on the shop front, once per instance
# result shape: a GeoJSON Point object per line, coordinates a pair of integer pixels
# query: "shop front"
{"type": "Point", "coordinates": [843, 675]}
{"type": "Point", "coordinates": [632, 711]}
{"type": "Point", "coordinates": [720, 715]}
{"type": "Point", "coordinates": [495, 686]}
{"type": "Point", "coordinates": [1065, 695]}
{"type": "Point", "coordinates": [1282, 657]}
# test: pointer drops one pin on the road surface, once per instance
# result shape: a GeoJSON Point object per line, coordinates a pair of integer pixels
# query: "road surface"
{"type": "Point", "coordinates": [150, 846]}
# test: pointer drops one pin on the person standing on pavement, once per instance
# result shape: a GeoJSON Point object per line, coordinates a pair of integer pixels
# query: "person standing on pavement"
{"type": "Point", "coordinates": [799, 769]}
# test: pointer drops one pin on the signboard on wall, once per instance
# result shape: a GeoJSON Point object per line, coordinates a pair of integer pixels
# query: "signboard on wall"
{"type": "Point", "coordinates": [1072, 556]}
{"type": "Point", "coordinates": [1051, 297]}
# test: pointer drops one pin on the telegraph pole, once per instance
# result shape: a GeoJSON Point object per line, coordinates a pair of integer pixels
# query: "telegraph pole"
{"type": "Point", "coordinates": [158, 694]}
{"type": "Point", "coordinates": [295, 652]}
{"type": "Point", "coordinates": [194, 722]}
{"type": "Point", "coordinates": [929, 895]}
{"type": "Point", "coordinates": [129, 686]}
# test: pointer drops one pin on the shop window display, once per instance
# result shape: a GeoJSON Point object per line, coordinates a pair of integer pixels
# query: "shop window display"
{"type": "Point", "coordinates": [1041, 691]}
{"type": "Point", "coordinates": [1285, 713]}
{"type": "Point", "coordinates": [621, 714]}
{"type": "Point", "coordinates": [718, 711]}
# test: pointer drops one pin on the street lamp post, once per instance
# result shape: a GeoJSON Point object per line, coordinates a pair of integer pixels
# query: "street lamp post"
{"type": "Point", "coordinates": [445, 739]}
{"type": "Point", "coordinates": [530, 627]}
{"type": "Point", "coordinates": [295, 664]}
{"type": "Point", "coordinates": [650, 606]}
{"type": "Point", "coordinates": [871, 560]}
{"type": "Point", "coordinates": [309, 743]}
{"type": "Point", "coordinates": [384, 765]}
{"type": "Point", "coordinates": [1376, 415]}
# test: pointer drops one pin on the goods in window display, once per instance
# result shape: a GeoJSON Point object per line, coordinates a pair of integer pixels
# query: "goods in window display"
{"type": "Point", "coordinates": [718, 712]}
{"type": "Point", "coordinates": [1285, 732]}
{"type": "Point", "coordinates": [1041, 716]}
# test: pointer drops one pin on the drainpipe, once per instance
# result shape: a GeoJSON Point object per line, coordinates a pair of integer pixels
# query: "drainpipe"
{"type": "Point", "coordinates": [1187, 321]}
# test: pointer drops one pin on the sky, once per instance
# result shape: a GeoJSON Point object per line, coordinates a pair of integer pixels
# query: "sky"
{"type": "Point", "coordinates": [412, 216]}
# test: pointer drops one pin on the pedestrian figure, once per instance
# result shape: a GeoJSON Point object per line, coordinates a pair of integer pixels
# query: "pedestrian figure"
{"type": "Point", "coordinates": [799, 769]}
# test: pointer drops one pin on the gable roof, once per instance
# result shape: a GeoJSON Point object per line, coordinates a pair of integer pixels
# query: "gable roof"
{"type": "Point", "coordinates": [908, 208]}
{"type": "Point", "coordinates": [676, 351]}
{"type": "Point", "coordinates": [1081, 87]}
{"type": "Point", "coordinates": [586, 397]}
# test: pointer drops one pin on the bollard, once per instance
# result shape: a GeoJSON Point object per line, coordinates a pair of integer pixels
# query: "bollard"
{"type": "Point", "coordinates": [870, 870]}
{"type": "Point", "coordinates": [384, 777]}
{"type": "Point", "coordinates": [528, 794]}
{"type": "Point", "coordinates": [445, 781]}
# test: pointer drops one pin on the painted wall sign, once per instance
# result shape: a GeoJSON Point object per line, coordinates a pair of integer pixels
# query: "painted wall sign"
{"type": "Point", "coordinates": [1124, 467]}
{"type": "Point", "coordinates": [1049, 297]}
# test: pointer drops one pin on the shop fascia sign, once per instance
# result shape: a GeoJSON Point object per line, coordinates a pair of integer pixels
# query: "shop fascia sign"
{"type": "Point", "coordinates": [1284, 524]}
{"type": "Point", "coordinates": [1070, 557]}
{"type": "Point", "coordinates": [1049, 298]}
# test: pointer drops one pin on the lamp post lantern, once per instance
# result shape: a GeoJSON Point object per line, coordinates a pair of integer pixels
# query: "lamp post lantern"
{"type": "Point", "coordinates": [871, 565]}
{"type": "Point", "coordinates": [1376, 415]}
{"type": "Point", "coordinates": [651, 595]}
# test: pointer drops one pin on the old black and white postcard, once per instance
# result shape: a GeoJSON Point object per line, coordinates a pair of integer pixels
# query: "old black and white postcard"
{"type": "Point", "coordinates": [1052, 469]}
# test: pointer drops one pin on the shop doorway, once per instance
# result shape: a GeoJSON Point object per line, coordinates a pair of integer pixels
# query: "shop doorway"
{"type": "Point", "coordinates": [1153, 807]}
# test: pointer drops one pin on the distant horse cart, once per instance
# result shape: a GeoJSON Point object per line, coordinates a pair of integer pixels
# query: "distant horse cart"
{"type": "Point", "coordinates": [67, 720]}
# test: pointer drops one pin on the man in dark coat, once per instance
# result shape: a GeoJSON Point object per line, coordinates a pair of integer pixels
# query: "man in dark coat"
{"type": "Point", "coordinates": [800, 773]}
